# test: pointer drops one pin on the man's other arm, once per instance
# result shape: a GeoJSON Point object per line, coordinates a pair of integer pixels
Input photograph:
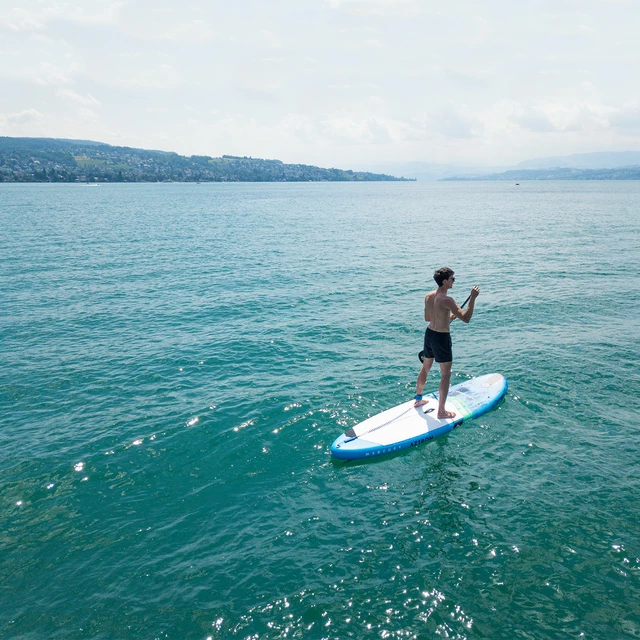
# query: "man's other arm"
{"type": "Point", "coordinates": [457, 312]}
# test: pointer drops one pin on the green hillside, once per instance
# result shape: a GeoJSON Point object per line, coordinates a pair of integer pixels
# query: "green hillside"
{"type": "Point", "coordinates": [57, 160]}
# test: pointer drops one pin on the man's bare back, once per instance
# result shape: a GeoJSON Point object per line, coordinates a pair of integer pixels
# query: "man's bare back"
{"type": "Point", "coordinates": [436, 312]}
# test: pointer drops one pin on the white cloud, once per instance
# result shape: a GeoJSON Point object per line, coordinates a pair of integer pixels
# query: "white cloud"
{"type": "Point", "coordinates": [142, 71]}
{"type": "Point", "coordinates": [136, 20]}
{"type": "Point", "coordinates": [570, 23]}
{"type": "Point", "coordinates": [76, 97]}
{"type": "Point", "coordinates": [88, 115]}
{"type": "Point", "coordinates": [343, 129]}
{"type": "Point", "coordinates": [165, 24]}
{"type": "Point", "coordinates": [355, 38]}
{"type": "Point", "coordinates": [348, 130]}
{"type": "Point", "coordinates": [534, 119]}
{"type": "Point", "coordinates": [456, 121]}
{"type": "Point", "coordinates": [471, 77]}
{"type": "Point", "coordinates": [558, 117]}
{"type": "Point", "coordinates": [23, 117]}
{"type": "Point", "coordinates": [39, 59]}
{"type": "Point", "coordinates": [352, 129]}
{"type": "Point", "coordinates": [626, 118]}
{"type": "Point", "coordinates": [258, 88]}
{"type": "Point", "coordinates": [39, 18]}
{"type": "Point", "coordinates": [29, 122]}
{"type": "Point", "coordinates": [20, 20]}
{"type": "Point", "coordinates": [271, 39]}
{"type": "Point", "coordinates": [378, 8]}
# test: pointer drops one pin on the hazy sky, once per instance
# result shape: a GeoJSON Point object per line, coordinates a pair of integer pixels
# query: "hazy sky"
{"type": "Point", "coordinates": [342, 83]}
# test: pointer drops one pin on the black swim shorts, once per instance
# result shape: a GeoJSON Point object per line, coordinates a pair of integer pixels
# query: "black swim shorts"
{"type": "Point", "coordinates": [437, 344]}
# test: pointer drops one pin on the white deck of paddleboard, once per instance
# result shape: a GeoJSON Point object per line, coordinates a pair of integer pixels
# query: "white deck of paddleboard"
{"type": "Point", "coordinates": [406, 423]}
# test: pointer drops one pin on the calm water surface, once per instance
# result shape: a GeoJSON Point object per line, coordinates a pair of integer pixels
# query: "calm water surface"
{"type": "Point", "coordinates": [175, 361]}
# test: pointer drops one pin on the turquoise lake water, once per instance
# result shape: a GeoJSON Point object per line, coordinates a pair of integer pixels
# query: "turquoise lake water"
{"type": "Point", "coordinates": [176, 360]}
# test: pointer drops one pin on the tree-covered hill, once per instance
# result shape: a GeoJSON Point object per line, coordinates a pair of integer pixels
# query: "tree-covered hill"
{"type": "Point", "coordinates": [58, 160]}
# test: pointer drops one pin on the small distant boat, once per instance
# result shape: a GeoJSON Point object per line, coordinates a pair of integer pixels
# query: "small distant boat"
{"type": "Point", "coordinates": [517, 184]}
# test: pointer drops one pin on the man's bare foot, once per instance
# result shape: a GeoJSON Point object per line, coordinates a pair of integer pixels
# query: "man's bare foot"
{"type": "Point", "coordinates": [419, 403]}
{"type": "Point", "coordinates": [446, 414]}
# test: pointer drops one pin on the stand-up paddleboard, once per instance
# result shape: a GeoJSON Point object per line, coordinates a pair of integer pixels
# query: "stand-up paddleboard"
{"type": "Point", "coordinates": [406, 426]}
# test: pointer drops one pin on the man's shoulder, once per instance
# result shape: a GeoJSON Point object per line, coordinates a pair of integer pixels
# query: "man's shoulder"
{"type": "Point", "coordinates": [445, 299]}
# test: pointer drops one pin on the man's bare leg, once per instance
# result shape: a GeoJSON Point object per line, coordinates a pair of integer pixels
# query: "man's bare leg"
{"type": "Point", "coordinates": [422, 380]}
{"type": "Point", "coordinates": [445, 372]}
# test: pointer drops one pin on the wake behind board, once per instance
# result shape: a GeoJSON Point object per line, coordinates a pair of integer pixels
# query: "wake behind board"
{"type": "Point", "coordinates": [406, 426]}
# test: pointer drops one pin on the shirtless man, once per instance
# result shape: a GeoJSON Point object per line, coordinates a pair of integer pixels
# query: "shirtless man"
{"type": "Point", "coordinates": [439, 311]}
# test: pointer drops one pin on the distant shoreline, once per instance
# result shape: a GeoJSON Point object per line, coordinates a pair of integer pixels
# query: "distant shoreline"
{"type": "Point", "coordinates": [36, 160]}
{"type": "Point", "coordinates": [619, 173]}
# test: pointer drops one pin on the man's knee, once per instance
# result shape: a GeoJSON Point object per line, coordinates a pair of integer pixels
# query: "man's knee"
{"type": "Point", "coordinates": [445, 368]}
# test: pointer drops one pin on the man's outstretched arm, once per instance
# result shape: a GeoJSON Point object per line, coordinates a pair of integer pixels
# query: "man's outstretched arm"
{"type": "Point", "coordinates": [465, 315]}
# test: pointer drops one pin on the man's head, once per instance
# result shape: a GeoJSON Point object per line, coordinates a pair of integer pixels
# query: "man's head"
{"type": "Point", "coordinates": [442, 274]}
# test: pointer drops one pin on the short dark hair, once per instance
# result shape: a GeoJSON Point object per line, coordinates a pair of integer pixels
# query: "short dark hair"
{"type": "Point", "coordinates": [442, 274]}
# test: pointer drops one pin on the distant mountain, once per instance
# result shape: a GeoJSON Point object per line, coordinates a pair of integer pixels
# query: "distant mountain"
{"type": "Point", "coordinates": [426, 171]}
{"type": "Point", "coordinates": [619, 173]}
{"type": "Point", "coordinates": [59, 160]}
{"type": "Point", "coordinates": [429, 171]}
{"type": "Point", "coordinates": [599, 160]}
